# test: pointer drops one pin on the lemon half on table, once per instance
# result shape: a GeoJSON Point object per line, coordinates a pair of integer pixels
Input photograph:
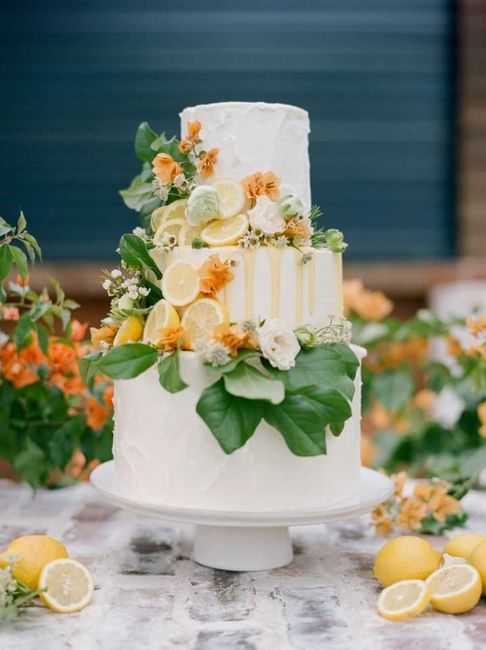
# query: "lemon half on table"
{"type": "Point", "coordinates": [66, 586]}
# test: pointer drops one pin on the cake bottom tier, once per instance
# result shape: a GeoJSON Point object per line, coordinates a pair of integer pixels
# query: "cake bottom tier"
{"type": "Point", "coordinates": [165, 454]}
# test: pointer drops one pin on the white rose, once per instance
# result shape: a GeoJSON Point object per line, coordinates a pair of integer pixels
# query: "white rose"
{"type": "Point", "coordinates": [266, 217]}
{"type": "Point", "coordinates": [278, 344]}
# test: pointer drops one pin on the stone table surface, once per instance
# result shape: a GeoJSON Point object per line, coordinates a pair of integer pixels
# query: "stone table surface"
{"type": "Point", "coordinates": [151, 595]}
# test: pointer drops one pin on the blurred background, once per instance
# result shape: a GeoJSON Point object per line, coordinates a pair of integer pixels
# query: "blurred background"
{"type": "Point", "coordinates": [395, 89]}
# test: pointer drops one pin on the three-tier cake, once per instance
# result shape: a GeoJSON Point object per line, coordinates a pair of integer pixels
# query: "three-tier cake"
{"type": "Point", "coordinates": [235, 383]}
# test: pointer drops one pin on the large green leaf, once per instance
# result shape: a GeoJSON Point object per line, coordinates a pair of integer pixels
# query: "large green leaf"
{"type": "Point", "coordinates": [303, 416]}
{"type": "Point", "coordinates": [127, 361]}
{"type": "Point", "coordinates": [246, 381]}
{"type": "Point", "coordinates": [20, 260]}
{"type": "Point", "coordinates": [88, 366]}
{"type": "Point", "coordinates": [6, 261]}
{"type": "Point", "coordinates": [137, 194]}
{"type": "Point", "coordinates": [133, 251]}
{"type": "Point", "coordinates": [171, 147]}
{"type": "Point", "coordinates": [231, 419]}
{"type": "Point", "coordinates": [169, 373]}
{"type": "Point", "coordinates": [22, 330]}
{"type": "Point", "coordinates": [4, 227]}
{"type": "Point", "coordinates": [143, 139]}
{"type": "Point", "coordinates": [393, 388]}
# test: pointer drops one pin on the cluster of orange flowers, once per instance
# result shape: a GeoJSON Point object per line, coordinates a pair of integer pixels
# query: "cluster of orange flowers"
{"type": "Point", "coordinates": [166, 168]}
{"type": "Point", "coordinates": [214, 275]}
{"type": "Point", "coordinates": [258, 184]}
{"type": "Point", "coordinates": [429, 498]}
{"type": "Point", "coordinates": [21, 368]}
{"type": "Point", "coordinates": [391, 354]}
{"type": "Point", "coordinates": [370, 305]}
{"type": "Point", "coordinates": [234, 338]}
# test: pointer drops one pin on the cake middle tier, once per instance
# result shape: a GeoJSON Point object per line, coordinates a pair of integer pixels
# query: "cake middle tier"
{"type": "Point", "coordinates": [270, 282]}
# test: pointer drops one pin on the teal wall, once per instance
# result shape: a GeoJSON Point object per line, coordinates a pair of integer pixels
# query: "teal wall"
{"type": "Point", "coordinates": [77, 76]}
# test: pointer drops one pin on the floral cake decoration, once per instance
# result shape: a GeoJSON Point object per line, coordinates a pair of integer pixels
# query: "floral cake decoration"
{"type": "Point", "coordinates": [301, 381]}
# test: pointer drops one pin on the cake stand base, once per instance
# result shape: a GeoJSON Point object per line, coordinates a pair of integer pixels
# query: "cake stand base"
{"type": "Point", "coordinates": [247, 540]}
{"type": "Point", "coordinates": [242, 549]}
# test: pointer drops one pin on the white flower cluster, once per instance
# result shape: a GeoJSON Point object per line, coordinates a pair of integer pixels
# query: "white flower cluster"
{"type": "Point", "coordinates": [213, 352]}
{"type": "Point", "coordinates": [124, 291]}
{"type": "Point", "coordinates": [161, 190]}
{"type": "Point", "coordinates": [8, 585]}
{"type": "Point", "coordinates": [167, 242]}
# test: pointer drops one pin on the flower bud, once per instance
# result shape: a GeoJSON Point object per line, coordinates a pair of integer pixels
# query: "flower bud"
{"type": "Point", "coordinates": [203, 205]}
{"type": "Point", "coordinates": [335, 240]}
{"type": "Point", "coordinates": [307, 336]}
{"type": "Point", "coordinates": [291, 206]}
{"type": "Point", "coordinates": [125, 303]}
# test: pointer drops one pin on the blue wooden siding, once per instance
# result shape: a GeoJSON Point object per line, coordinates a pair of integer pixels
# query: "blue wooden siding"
{"type": "Point", "coordinates": [376, 76]}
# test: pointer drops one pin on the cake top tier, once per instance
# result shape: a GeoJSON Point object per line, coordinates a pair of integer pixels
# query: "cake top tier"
{"type": "Point", "coordinates": [256, 136]}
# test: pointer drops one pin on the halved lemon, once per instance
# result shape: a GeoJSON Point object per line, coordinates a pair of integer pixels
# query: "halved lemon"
{"type": "Point", "coordinates": [181, 283]}
{"type": "Point", "coordinates": [157, 217]}
{"type": "Point", "coordinates": [67, 586]}
{"type": "Point", "coordinates": [455, 589]}
{"type": "Point", "coordinates": [403, 600]}
{"type": "Point", "coordinates": [130, 331]}
{"type": "Point", "coordinates": [201, 318]}
{"type": "Point", "coordinates": [175, 210]}
{"type": "Point", "coordinates": [162, 315]}
{"type": "Point", "coordinates": [232, 197]}
{"type": "Point", "coordinates": [225, 232]}
{"type": "Point", "coordinates": [169, 227]}
{"type": "Point", "coordinates": [188, 233]}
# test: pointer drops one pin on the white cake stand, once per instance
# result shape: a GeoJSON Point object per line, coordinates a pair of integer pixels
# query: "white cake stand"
{"type": "Point", "coordinates": [242, 540]}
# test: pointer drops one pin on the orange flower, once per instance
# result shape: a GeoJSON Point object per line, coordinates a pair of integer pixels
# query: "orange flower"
{"type": "Point", "coordinates": [172, 338]}
{"type": "Point", "coordinates": [368, 451]}
{"type": "Point", "coordinates": [234, 338]}
{"type": "Point", "coordinates": [32, 355]}
{"type": "Point", "coordinates": [78, 330]}
{"type": "Point", "coordinates": [482, 418]}
{"type": "Point", "coordinates": [412, 514]}
{"type": "Point", "coordinates": [96, 414]}
{"type": "Point", "coordinates": [372, 305]}
{"type": "Point", "coordinates": [382, 521]}
{"type": "Point", "coordinates": [185, 146]}
{"type": "Point", "coordinates": [398, 481]}
{"type": "Point", "coordinates": [424, 398]}
{"type": "Point", "coordinates": [10, 313]}
{"type": "Point", "coordinates": [453, 346]}
{"type": "Point", "coordinates": [207, 163]}
{"type": "Point", "coordinates": [62, 358]}
{"type": "Point", "coordinates": [214, 275]}
{"type": "Point", "coordinates": [100, 335]}
{"type": "Point", "coordinates": [423, 491]}
{"type": "Point", "coordinates": [297, 228]}
{"type": "Point", "coordinates": [165, 167]}
{"type": "Point", "coordinates": [21, 282]}
{"type": "Point", "coordinates": [68, 385]}
{"type": "Point", "coordinates": [259, 184]}
{"type": "Point", "coordinates": [193, 131]}
{"type": "Point", "coordinates": [477, 325]}
{"type": "Point", "coordinates": [351, 289]}
{"type": "Point", "coordinates": [108, 396]}
{"type": "Point", "coordinates": [442, 504]}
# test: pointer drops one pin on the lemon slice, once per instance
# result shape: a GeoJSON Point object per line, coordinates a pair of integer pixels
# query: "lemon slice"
{"type": "Point", "coordinates": [226, 232]}
{"type": "Point", "coordinates": [188, 233]}
{"type": "Point", "coordinates": [403, 600]}
{"type": "Point", "coordinates": [232, 197]}
{"type": "Point", "coordinates": [157, 217]}
{"type": "Point", "coordinates": [181, 283]}
{"type": "Point", "coordinates": [162, 315]}
{"type": "Point", "coordinates": [455, 589]}
{"type": "Point", "coordinates": [130, 331]}
{"type": "Point", "coordinates": [67, 586]}
{"type": "Point", "coordinates": [201, 318]}
{"type": "Point", "coordinates": [169, 227]}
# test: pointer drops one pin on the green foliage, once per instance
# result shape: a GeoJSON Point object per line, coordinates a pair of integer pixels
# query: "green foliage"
{"type": "Point", "coordinates": [126, 361]}
{"type": "Point", "coordinates": [393, 388]}
{"type": "Point", "coordinates": [134, 252]}
{"type": "Point", "coordinates": [143, 141]}
{"type": "Point", "coordinates": [137, 194]}
{"type": "Point", "coordinates": [169, 373]}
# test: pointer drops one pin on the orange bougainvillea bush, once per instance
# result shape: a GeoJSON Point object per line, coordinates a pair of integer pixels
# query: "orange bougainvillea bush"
{"type": "Point", "coordinates": [53, 427]}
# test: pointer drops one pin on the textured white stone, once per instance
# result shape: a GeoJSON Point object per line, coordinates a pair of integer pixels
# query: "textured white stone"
{"type": "Point", "coordinates": [255, 136]}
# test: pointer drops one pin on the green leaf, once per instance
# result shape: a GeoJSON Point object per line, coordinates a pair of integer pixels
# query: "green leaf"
{"type": "Point", "coordinates": [169, 374]}
{"type": "Point", "coordinates": [320, 366]}
{"type": "Point", "coordinates": [88, 366]}
{"type": "Point", "coordinates": [171, 147]}
{"type": "Point", "coordinates": [4, 227]}
{"type": "Point", "coordinates": [246, 381]}
{"type": "Point", "coordinates": [6, 261]}
{"type": "Point", "coordinates": [146, 211]}
{"type": "Point", "coordinates": [30, 463]}
{"type": "Point", "coordinates": [20, 259]}
{"type": "Point", "coordinates": [303, 416]}
{"type": "Point", "coordinates": [393, 388]}
{"type": "Point", "coordinates": [232, 420]}
{"type": "Point", "coordinates": [243, 355]}
{"type": "Point", "coordinates": [158, 142]}
{"type": "Point", "coordinates": [133, 251]}
{"type": "Point", "coordinates": [27, 237]}
{"type": "Point", "coordinates": [22, 331]}
{"type": "Point", "coordinates": [43, 337]}
{"type": "Point", "coordinates": [137, 194]}
{"type": "Point", "coordinates": [21, 223]}
{"type": "Point", "coordinates": [143, 139]}
{"type": "Point", "coordinates": [127, 361]}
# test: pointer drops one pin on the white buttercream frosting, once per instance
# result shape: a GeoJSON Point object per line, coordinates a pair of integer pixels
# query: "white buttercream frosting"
{"type": "Point", "coordinates": [164, 453]}
{"type": "Point", "coordinates": [255, 136]}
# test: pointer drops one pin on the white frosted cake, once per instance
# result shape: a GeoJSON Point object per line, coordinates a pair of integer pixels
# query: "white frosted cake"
{"type": "Point", "coordinates": [236, 386]}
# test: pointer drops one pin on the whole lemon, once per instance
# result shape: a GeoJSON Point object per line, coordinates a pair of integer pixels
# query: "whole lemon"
{"type": "Point", "coordinates": [463, 545]}
{"type": "Point", "coordinates": [478, 560]}
{"type": "Point", "coordinates": [30, 554]}
{"type": "Point", "coordinates": [405, 558]}
{"type": "Point", "coordinates": [130, 331]}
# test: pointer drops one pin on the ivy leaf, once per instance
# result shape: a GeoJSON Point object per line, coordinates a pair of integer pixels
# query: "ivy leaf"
{"type": "Point", "coordinates": [231, 419]}
{"type": "Point", "coordinates": [137, 194]}
{"type": "Point", "coordinates": [88, 366]}
{"type": "Point", "coordinates": [169, 373]}
{"type": "Point", "coordinates": [393, 388]}
{"type": "Point", "coordinates": [127, 361]}
{"type": "Point", "coordinates": [143, 139]}
{"type": "Point", "coordinates": [246, 381]}
{"type": "Point", "coordinates": [347, 355]}
{"type": "Point", "coordinates": [20, 259]}
{"type": "Point", "coordinates": [6, 261]}
{"type": "Point", "coordinates": [134, 252]}
{"type": "Point", "coordinates": [303, 416]}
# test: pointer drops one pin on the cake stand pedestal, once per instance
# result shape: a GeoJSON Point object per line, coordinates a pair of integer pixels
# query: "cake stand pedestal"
{"type": "Point", "coordinates": [244, 540]}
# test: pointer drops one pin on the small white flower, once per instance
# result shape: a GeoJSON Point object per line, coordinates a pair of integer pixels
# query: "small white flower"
{"type": "Point", "coordinates": [179, 181]}
{"type": "Point", "coordinates": [265, 216]}
{"type": "Point", "coordinates": [3, 338]}
{"type": "Point", "coordinates": [144, 291]}
{"type": "Point", "coordinates": [116, 273]}
{"type": "Point", "coordinates": [278, 343]}
{"type": "Point", "coordinates": [213, 352]}
{"type": "Point", "coordinates": [132, 292]}
{"type": "Point", "coordinates": [160, 189]}
{"type": "Point", "coordinates": [106, 284]}
{"type": "Point", "coordinates": [139, 232]}
{"type": "Point", "coordinates": [125, 303]}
